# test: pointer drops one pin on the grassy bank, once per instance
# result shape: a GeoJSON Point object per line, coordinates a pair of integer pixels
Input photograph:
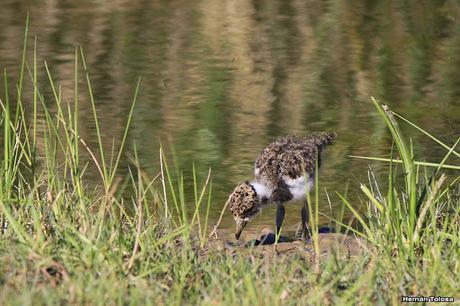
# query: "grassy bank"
{"type": "Point", "coordinates": [131, 240]}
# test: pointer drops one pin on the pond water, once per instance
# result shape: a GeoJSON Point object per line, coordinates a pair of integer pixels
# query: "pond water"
{"type": "Point", "coordinates": [222, 79]}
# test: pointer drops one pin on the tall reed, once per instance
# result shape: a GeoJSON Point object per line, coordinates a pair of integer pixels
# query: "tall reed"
{"type": "Point", "coordinates": [409, 215]}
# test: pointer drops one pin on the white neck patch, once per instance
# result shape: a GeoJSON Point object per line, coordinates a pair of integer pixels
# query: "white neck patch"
{"type": "Point", "coordinates": [262, 190]}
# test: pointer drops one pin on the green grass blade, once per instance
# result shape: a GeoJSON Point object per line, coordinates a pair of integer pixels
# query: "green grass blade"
{"type": "Point", "coordinates": [427, 134]}
{"type": "Point", "coordinates": [398, 161]}
{"type": "Point", "coordinates": [125, 132]}
{"type": "Point", "coordinates": [357, 215]}
{"type": "Point", "coordinates": [96, 122]}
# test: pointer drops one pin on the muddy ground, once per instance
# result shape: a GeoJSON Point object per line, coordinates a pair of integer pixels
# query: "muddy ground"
{"type": "Point", "coordinates": [263, 243]}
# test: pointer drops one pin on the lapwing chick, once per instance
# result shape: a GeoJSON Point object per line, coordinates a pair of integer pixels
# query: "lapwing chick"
{"type": "Point", "coordinates": [284, 171]}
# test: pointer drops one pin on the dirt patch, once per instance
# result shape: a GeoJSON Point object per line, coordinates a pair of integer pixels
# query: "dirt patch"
{"type": "Point", "coordinates": [263, 244]}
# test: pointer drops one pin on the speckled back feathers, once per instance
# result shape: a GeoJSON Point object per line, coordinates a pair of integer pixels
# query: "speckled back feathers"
{"type": "Point", "coordinates": [288, 157]}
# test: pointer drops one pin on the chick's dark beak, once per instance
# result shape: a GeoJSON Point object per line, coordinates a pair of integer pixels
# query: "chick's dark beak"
{"type": "Point", "coordinates": [239, 229]}
{"type": "Point", "coordinates": [238, 234]}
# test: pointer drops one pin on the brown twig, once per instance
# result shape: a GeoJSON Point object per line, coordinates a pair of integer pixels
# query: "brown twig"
{"type": "Point", "coordinates": [216, 226]}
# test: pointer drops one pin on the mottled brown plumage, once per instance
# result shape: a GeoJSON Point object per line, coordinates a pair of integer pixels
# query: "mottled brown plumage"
{"type": "Point", "coordinates": [287, 158]}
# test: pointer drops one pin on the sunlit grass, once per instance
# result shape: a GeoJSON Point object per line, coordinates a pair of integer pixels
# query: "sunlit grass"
{"type": "Point", "coordinates": [410, 215]}
{"type": "Point", "coordinates": [136, 239]}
